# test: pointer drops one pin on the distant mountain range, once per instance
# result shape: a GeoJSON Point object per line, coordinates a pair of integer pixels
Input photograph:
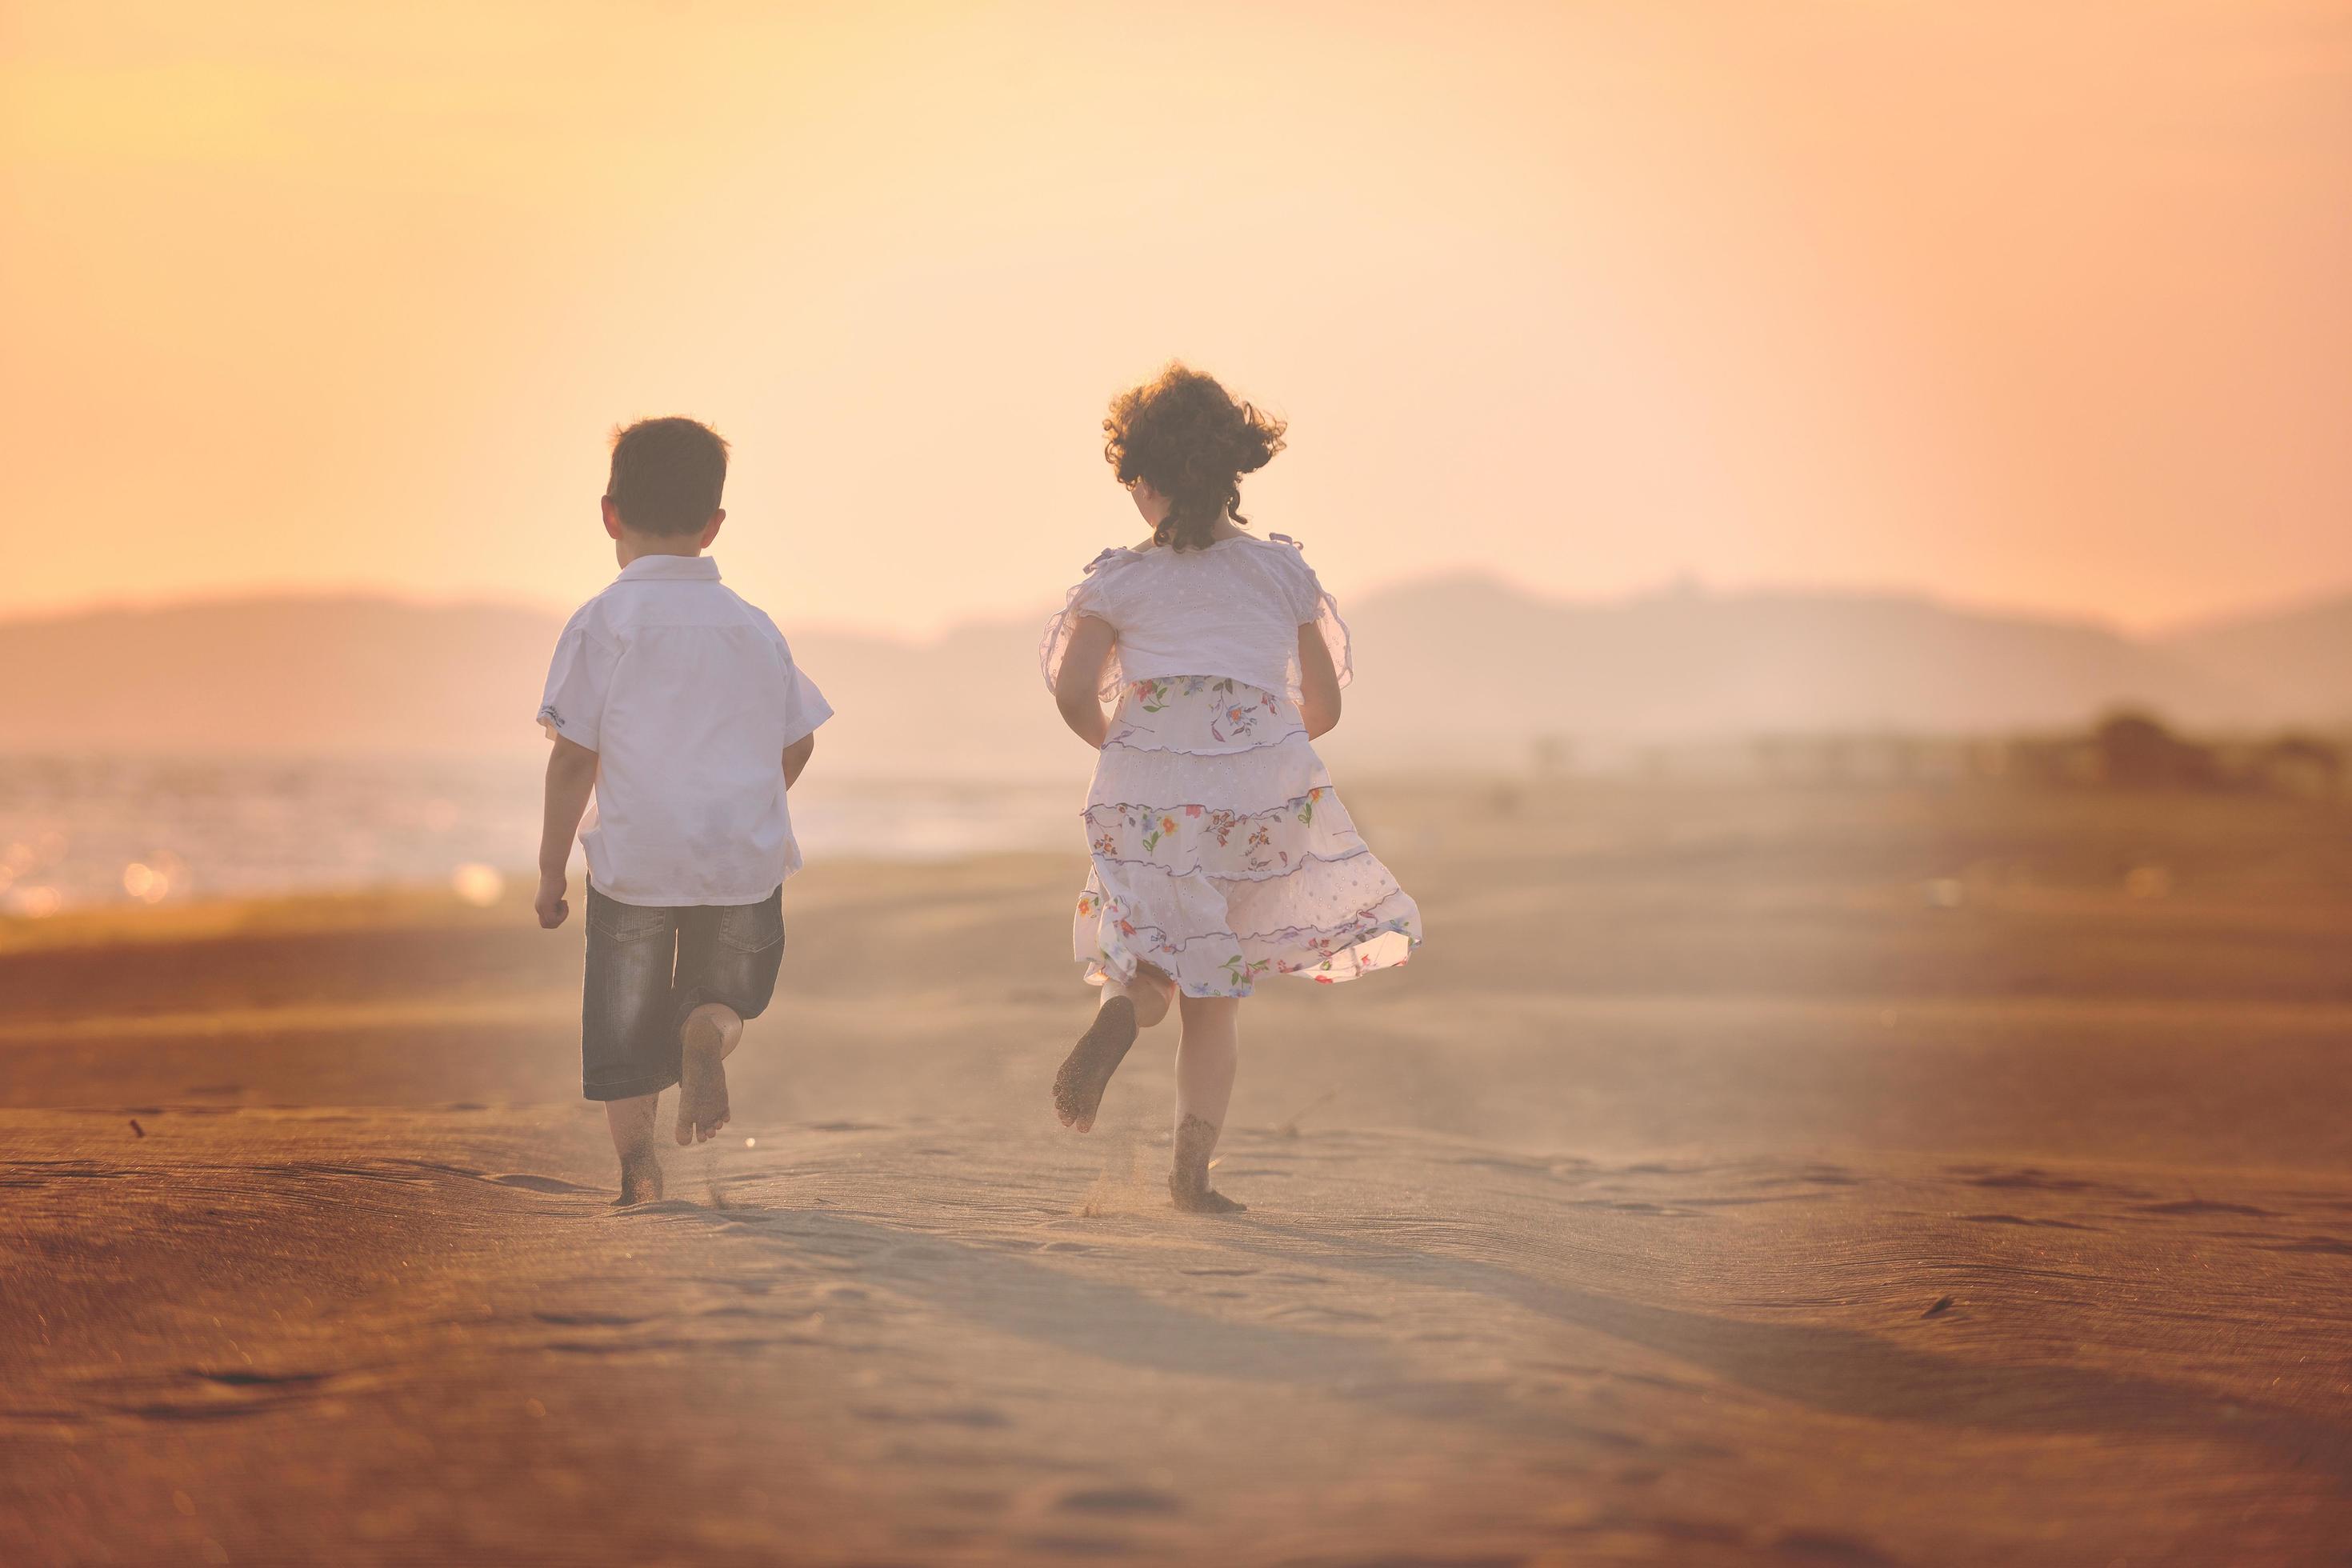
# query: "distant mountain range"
{"type": "Point", "coordinates": [1455, 671]}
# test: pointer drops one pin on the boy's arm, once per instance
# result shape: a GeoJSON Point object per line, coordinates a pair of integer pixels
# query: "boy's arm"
{"type": "Point", "coordinates": [1076, 685]}
{"type": "Point", "coordinates": [571, 776]}
{"type": "Point", "coordinates": [796, 757]}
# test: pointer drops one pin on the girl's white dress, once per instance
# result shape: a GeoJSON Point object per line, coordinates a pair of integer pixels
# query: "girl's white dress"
{"type": "Point", "coordinates": [1221, 851]}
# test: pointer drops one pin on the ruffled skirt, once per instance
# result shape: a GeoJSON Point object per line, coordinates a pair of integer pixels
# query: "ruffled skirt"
{"type": "Point", "coordinates": [1222, 853]}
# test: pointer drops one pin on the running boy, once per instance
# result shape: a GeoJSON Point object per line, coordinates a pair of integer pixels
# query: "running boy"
{"type": "Point", "coordinates": [679, 707]}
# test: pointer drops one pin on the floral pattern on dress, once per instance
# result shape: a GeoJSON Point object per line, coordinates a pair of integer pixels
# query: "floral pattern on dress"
{"type": "Point", "coordinates": [1222, 842]}
{"type": "Point", "coordinates": [1218, 892]}
{"type": "Point", "coordinates": [1199, 712]}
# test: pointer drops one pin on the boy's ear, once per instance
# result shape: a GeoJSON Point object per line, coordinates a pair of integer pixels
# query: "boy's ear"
{"type": "Point", "coordinates": [711, 529]}
{"type": "Point", "coordinates": [612, 517]}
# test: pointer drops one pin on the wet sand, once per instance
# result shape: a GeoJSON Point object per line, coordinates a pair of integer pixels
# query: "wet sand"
{"type": "Point", "coordinates": [1819, 1177]}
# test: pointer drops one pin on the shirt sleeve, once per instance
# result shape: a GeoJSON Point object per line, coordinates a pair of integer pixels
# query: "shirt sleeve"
{"type": "Point", "coordinates": [804, 706]}
{"type": "Point", "coordinates": [1091, 599]}
{"type": "Point", "coordinates": [1305, 590]}
{"type": "Point", "coordinates": [1311, 606]}
{"type": "Point", "coordinates": [578, 680]}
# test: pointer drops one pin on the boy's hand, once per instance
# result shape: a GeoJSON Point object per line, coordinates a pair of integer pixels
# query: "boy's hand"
{"type": "Point", "coordinates": [550, 903]}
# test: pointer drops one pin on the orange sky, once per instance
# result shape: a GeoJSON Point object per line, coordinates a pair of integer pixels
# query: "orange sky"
{"type": "Point", "coordinates": [2040, 304]}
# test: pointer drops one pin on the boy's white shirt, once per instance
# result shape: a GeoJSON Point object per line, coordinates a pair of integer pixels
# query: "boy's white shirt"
{"type": "Point", "coordinates": [688, 696]}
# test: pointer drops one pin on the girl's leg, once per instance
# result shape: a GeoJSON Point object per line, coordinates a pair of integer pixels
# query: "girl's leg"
{"type": "Point", "coordinates": [1206, 1060]}
{"type": "Point", "coordinates": [1126, 1007]}
{"type": "Point", "coordinates": [1149, 992]}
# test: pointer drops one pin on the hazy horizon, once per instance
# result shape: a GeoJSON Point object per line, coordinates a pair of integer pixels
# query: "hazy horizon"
{"type": "Point", "coordinates": [921, 636]}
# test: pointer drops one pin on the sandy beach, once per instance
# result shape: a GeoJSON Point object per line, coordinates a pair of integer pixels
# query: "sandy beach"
{"type": "Point", "coordinates": [1842, 1176]}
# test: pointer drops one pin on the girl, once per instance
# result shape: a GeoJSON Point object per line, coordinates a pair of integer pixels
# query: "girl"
{"type": "Point", "coordinates": [1220, 851]}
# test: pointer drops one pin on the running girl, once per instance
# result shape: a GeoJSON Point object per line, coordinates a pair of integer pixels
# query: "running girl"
{"type": "Point", "coordinates": [1221, 853]}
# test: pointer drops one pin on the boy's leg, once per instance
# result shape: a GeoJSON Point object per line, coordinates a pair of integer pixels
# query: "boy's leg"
{"type": "Point", "coordinates": [1126, 1007]}
{"type": "Point", "coordinates": [1206, 1060]}
{"type": "Point", "coordinates": [728, 959]}
{"type": "Point", "coordinates": [629, 1047]}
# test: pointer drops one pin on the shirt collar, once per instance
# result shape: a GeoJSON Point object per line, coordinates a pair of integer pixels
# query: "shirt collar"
{"type": "Point", "coordinates": [671, 568]}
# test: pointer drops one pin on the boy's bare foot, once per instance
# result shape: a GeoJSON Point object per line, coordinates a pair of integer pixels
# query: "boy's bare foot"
{"type": "Point", "coordinates": [632, 1121]}
{"type": "Point", "coordinates": [1086, 1072]}
{"type": "Point", "coordinates": [710, 1033]}
{"type": "Point", "coordinates": [641, 1178]}
{"type": "Point", "coordinates": [1188, 1179]}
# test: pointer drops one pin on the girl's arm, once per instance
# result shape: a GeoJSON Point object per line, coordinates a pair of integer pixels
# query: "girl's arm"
{"type": "Point", "coordinates": [1077, 683]}
{"type": "Point", "coordinates": [1318, 682]}
{"type": "Point", "coordinates": [796, 757]}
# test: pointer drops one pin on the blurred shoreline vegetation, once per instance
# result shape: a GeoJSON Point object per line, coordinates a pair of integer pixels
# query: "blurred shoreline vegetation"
{"type": "Point", "coordinates": [2127, 749]}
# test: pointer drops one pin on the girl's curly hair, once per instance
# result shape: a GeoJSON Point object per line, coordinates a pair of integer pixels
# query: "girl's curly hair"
{"type": "Point", "coordinates": [1192, 440]}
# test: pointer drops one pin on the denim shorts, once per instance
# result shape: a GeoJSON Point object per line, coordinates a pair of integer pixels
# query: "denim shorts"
{"type": "Point", "coordinates": [649, 968]}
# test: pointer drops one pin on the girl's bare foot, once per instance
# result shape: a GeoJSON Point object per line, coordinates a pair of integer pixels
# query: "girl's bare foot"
{"type": "Point", "coordinates": [1188, 1179]}
{"type": "Point", "coordinates": [710, 1033]}
{"type": "Point", "coordinates": [1085, 1073]}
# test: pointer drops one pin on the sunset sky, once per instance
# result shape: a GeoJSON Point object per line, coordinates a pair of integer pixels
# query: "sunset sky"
{"type": "Point", "coordinates": [2040, 305]}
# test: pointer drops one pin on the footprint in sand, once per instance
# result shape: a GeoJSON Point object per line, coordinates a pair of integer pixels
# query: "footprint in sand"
{"type": "Point", "coordinates": [357, 1173]}
{"type": "Point", "coordinates": [41, 1173]}
{"type": "Point", "coordinates": [1620, 1205]}
{"type": "Point", "coordinates": [263, 1379]}
{"type": "Point", "coordinates": [2322, 1244]}
{"type": "Point", "coordinates": [524, 1180]}
{"type": "Point", "coordinates": [975, 1416]}
{"type": "Point", "coordinates": [1120, 1501]}
{"type": "Point", "coordinates": [1309, 1311]}
{"type": "Point", "coordinates": [530, 1184]}
{"type": "Point", "coordinates": [1077, 1547]}
{"type": "Point", "coordinates": [2031, 1176]}
{"type": "Point", "coordinates": [209, 1394]}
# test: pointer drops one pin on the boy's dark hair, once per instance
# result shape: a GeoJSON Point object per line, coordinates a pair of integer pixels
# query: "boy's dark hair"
{"type": "Point", "coordinates": [667, 475]}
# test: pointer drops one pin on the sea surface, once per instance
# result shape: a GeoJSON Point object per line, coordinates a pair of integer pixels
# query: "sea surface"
{"type": "Point", "coordinates": [76, 831]}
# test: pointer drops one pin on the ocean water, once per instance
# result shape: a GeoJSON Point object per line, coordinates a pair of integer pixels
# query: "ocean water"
{"type": "Point", "coordinates": [76, 831]}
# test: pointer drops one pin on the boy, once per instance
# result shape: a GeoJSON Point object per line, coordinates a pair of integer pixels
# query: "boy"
{"type": "Point", "coordinates": [678, 705]}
